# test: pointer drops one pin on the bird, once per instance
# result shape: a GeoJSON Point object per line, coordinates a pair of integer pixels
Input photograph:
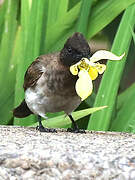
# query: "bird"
{"type": "Point", "coordinates": [49, 86]}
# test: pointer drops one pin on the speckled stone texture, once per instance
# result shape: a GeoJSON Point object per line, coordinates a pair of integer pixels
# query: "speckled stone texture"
{"type": "Point", "coordinates": [26, 154]}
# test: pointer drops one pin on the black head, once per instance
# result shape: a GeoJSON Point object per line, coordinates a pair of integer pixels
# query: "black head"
{"type": "Point", "coordinates": [75, 48]}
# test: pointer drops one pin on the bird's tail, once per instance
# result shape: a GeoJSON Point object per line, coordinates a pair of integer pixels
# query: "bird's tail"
{"type": "Point", "coordinates": [22, 110]}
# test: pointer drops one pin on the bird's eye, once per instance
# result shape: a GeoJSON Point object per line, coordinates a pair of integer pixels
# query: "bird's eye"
{"type": "Point", "coordinates": [69, 50]}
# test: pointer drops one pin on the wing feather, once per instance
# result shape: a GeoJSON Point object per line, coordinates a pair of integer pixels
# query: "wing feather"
{"type": "Point", "coordinates": [33, 73]}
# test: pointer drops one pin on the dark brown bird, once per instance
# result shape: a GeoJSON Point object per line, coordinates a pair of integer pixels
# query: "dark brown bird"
{"type": "Point", "coordinates": [48, 84]}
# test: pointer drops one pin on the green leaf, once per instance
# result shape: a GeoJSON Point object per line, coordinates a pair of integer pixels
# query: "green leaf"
{"type": "Point", "coordinates": [22, 62]}
{"type": "Point", "coordinates": [61, 41]}
{"type": "Point", "coordinates": [104, 12]}
{"type": "Point", "coordinates": [99, 17]}
{"type": "Point", "coordinates": [122, 98]}
{"type": "Point", "coordinates": [133, 35]}
{"type": "Point", "coordinates": [125, 119]}
{"type": "Point", "coordinates": [30, 39]}
{"type": "Point", "coordinates": [3, 7]}
{"type": "Point", "coordinates": [72, 3]}
{"type": "Point", "coordinates": [57, 30]}
{"type": "Point", "coordinates": [110, 82]}
{"type": "Point", "coordinates": [63, 120]}
{"type": "Point", "coordinates": [63, 7]}
{"type": "Point", "coordinates": [34, 29]}
{"type": "Point", "coordinates": [7, 93]}
{"type": "Point", "coordinates": [83, 16]}
{"type": "Point", "coordinates": [55, 10]}
{"type": "Point", "coordinates": [7, 77]}
{"type": "Point", "coordinates": [8, 37]}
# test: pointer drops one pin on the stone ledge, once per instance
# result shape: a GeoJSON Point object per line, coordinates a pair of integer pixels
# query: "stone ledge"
{"type": "Point", "coordinates": [28, 154]}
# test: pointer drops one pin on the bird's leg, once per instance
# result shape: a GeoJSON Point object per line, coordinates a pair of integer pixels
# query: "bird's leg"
{"type": "Point", "coordinates": [75, 128]}
{"type": "Point", "coordinates": [41, 128]}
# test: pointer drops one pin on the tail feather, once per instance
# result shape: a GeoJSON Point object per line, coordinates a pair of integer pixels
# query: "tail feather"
{"type": "Point", "coordinates": [22, 110]}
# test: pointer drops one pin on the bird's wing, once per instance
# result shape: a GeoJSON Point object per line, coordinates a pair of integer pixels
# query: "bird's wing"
{"type": "Point", "coordinates": [33, 73]}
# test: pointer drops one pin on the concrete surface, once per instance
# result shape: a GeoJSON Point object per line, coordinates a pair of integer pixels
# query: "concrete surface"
{"type": "Point", "coordinates": [26, 154]}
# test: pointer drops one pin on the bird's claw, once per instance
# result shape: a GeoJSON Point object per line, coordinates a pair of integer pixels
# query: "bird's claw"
{"type": "Point", "coordinates": [76, 130]}
{"type": "Point", "coordinates": [43, 129]}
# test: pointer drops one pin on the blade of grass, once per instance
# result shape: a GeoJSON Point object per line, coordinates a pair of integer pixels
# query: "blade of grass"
{"type": "Point", "coordinates": [104, 12]}
{"type": "Point", "coordinates": [31, 37]}
{"type": "Point", "coordinates": [7, 46]}
{"type": "Point", "coordinates": [37, 25]}
{"type": "Point", "coordinates": [7, 93]}
{"type": "Point", "coordinates": [8, 37]}
{"type": "Point", "coordinates": [44, 27]}
{"type": "Point", "coordinates": [61, 41]}
{"type": "Point", "coordinates": [72, 3]}
{"type": "Point", "coordinates": [68, 19]}
{"type": "Point", "coordinates": [122, 98]}
{"type": "Point", "coordinates": [107, 95]}
{"type": "Point", "coordinates": [25, 9]}
{"type": "Point", "coordinates": [22, 60]}
{"type": "Point", "coordinates": [133, 34]}
{"type": "Point", "coordinates": [58, 29]}
{"type": "Point", "coordinates": [54, 11]}
{"type": "Point", "coordinates": [34, 29]}
{"type": "Point", "coordinates": [125, 119]}
{"type": "Point", "coordinates": [100, 16]}
{"type": "Point", "coordinates": [63, 7]}
{"type": "Point", "coordinates": [21, 57]}
{"type": "Point", "coordinates": [83, 16]}
{"type": "Point", "coordinates": [3, 7]}
{"type": "Point", "coordinates": [61, 121]}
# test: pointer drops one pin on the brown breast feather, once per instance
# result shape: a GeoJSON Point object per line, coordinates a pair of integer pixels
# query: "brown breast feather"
{"type": "Point", "coordinates": [58, 76]}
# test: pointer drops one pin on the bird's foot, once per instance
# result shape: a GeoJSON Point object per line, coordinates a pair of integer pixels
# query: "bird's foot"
{"type": "Point", "coordinates": [43, 129]}
{"type": "Point", "coordinates": [76, 130]}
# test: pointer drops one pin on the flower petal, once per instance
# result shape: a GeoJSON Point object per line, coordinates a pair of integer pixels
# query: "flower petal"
{"type": "Point", "coordinates": [103, 54]}
{"type": "Point", "coordinates": [93, 72]}
{"type": "Point", "coordinates": [100, 68]}
{"type": "Point", "coordinates": [84, 85]}
{"type": "Point", "coordinates": [74, 70]}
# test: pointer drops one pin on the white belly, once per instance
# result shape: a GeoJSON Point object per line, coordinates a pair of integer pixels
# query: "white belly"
{"type": "Point", "coordinates": [40, 104]}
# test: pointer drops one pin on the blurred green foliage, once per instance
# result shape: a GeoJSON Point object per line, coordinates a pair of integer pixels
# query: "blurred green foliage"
{"type": "Point", "coordinates": [30, 28]}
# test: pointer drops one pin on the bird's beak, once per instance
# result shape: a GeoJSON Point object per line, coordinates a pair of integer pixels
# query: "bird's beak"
{"type": "Point", "coordinates": [88, 56]}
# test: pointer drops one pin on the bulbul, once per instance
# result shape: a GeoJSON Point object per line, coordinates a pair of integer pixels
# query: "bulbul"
{"type": "Point", "coordinates": [49, 85]}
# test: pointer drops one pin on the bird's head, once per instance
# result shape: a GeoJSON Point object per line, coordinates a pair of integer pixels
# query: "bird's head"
{"type": "Point", "coordinates": [75, 48]}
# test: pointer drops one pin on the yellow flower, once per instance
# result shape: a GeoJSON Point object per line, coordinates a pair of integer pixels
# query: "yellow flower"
{"type": "Point", "coordinates": [74, 69]}
{"type": "Point", "coordinates": [88, 70]}
{"type": "Point", "coordinates": [93, 73]}
{"type": "Point", "coordinates": [84, 84]}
